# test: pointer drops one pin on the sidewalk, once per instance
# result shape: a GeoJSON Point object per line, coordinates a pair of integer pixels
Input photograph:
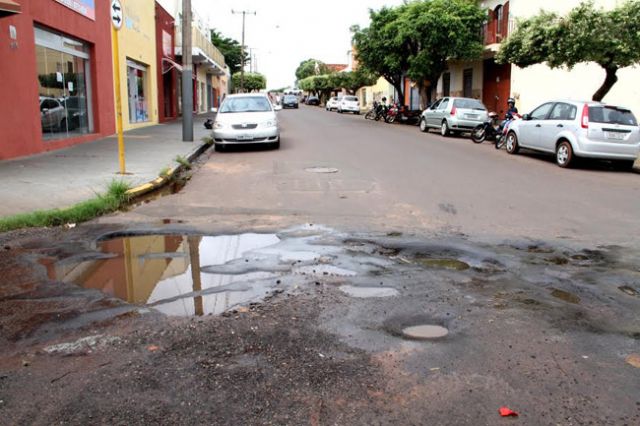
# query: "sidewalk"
{"type": "Point", "coordinates": [64, 177]}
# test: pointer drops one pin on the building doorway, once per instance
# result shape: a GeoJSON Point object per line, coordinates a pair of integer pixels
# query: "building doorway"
{"type": "Point", "coordinates": [496, 87]}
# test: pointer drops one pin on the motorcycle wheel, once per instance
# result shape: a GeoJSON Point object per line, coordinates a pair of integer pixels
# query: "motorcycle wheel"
{"type": "Point", "coordinates": [390, 119]}
{"type": "Point", "coordinates": [479, 134]}
{"type": "Point", "coordinates": [377, 117]}
{"type": "Point", "coordinates": [370, 115]}
{"type": "Point", "coordinates": [500, 141]}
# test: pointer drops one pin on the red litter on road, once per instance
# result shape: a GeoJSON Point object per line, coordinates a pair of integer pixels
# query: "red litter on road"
{"type": "Point", "coordinates": [507, 412]}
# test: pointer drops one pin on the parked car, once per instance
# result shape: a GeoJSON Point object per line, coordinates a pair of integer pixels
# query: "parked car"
{"type": "Point", "coordinates": [349, 104]}
{"type": "Point", "coordinates": [53, 116]}
{"type": "Point", "coordinates": [313, 100]}
{"type": "Point", "coordinates": [571, 129]}
{"type": "Point", "coordinates": [247, 118]}
{"type": "Point", "coordinates": [290, 101]}
{"type": "Point", "coordinates": [332, 104]}
{"type": "Point", "coordinates": [453, 114]}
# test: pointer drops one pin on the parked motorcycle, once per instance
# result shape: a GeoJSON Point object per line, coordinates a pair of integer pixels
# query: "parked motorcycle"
{"type": "Point", "coordinates": [392, 113]}
{"type": "Point", "coordinates": [492, 130]}
{"type": "Point", "coordinates": [377, 112]}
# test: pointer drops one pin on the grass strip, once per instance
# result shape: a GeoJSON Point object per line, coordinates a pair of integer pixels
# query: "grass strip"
{"type": "Point", "coordinates": [114, 198]}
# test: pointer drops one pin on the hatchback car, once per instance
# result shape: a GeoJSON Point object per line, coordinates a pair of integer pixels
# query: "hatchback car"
{"type": "Point", "coordinates": [313, 100]}
{"type": "Point", "coordinates": [332, 104]}
{"type": "Point", "coordinates": [349, 104]}
{"type": "Point", "coordinates": [53, 116]}
{"type": "Point", "coordinates": [247, 118]}
{"type": "Point", "coordinates": [290, 101]}
{"type": "Point", "coordinates": [571, 129]}
{"type": "Point", "coordinates": [452, 114]}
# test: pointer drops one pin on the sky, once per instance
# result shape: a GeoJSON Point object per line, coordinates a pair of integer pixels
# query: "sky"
{"type": "Point", "coordinates": [285, 32]}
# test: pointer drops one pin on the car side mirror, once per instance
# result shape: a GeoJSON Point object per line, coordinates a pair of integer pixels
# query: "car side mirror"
{"type": "Point", "coordinates": [214, 110]}
{"type": "Point", "coordinates": [277, 107]}
{"type": "Point", "coordinates": [526, 117]}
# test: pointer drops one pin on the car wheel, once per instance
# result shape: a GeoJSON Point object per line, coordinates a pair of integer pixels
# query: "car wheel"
{"type": "Point", "coordinates": [444, 129]}
{"type": "Point", "coordinates": [339, 111]}
{"type": "Point", "coordinates": [512, 143]}
{"type": "Point", "coordinates": [564, 154]}
{"type": "Point", "coordinates": [276, 144]}
{"type": "Point", "coordinates": [423, 125]}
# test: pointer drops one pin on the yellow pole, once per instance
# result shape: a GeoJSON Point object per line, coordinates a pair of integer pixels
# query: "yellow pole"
{"type": "Point", "coordinates": [116, 66]}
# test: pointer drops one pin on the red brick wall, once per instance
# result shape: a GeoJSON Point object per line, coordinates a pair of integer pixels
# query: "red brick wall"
{"type": "Point", "coordinates": [20, 127]}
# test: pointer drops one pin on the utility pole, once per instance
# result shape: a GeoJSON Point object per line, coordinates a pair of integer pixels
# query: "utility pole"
{"type": "Point", "coordinates": [187, 74]}
{"type": "Point", "coordinates": [244, 13]}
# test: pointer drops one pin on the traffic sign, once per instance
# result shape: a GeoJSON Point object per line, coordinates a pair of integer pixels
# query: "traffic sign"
{"type": "Point", "coordinates": [116, 14]}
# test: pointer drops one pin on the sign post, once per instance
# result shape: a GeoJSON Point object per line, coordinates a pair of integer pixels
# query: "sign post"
{"type": "Point", "coordinates": [116, 20]}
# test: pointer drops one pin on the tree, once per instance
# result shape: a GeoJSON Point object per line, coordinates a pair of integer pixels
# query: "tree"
{"type": "Point", "coordinates": [231, 50]}
{"type": "Point", "coordinates": [609, 38]}
{"type": "Point", "coordinates": [354, 80]}
{"type": "Point", "coordinates": [434, 32]}
{"type": "Point", "coordinates": [379, 49]}
{"type": "Point", "coordinates": [311, 67]}
{"type": "Point", "coordinates": [253, 81]}
{"type": "Point", "coordinates": [320, 85]}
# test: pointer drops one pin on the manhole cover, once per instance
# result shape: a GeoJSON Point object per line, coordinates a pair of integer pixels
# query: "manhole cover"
{"type": "Point", "coordinates": [321, 170]}
{"type": "Point", "coordinates": [425, 332]}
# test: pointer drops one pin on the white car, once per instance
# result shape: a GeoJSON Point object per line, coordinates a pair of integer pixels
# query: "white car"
{"type": "Point", "coordinates": [247, 118]}
{"type": "Point", "coordinates": [332, 104]}
{"type": "Point", "coordinates": [571, 129]}
{"type": "Point", "coordinates": [53, 116]}
{"type": "Point", "coordinates": [349, 104]}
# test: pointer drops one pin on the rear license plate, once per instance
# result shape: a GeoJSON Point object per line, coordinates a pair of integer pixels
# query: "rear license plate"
{"type": "Point", "coordinates": [244, 137]}
{"type": "Point", "coordinates": [614, 135]}
{"type": "Point", "coordinates": [472, 116]}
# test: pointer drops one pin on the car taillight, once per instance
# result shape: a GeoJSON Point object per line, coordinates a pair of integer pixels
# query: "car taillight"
{"type": "Point", "coordinates": [453, 111]}
{"type": "Point", "coordinates": [585, 117]}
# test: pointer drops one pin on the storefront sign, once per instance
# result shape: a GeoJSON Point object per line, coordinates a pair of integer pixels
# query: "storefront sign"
{"type": "Point", "coordinates": [83, 7]}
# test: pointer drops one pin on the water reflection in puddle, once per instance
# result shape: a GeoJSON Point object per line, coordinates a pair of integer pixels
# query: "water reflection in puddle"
{"type": "Point", "coordinates": [169, 272]}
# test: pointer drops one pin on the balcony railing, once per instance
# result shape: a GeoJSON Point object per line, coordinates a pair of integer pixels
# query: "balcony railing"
{"type": "Point", "coordinates": [199, 40]}
{"type": "Point", "coordinates": [492, 33]}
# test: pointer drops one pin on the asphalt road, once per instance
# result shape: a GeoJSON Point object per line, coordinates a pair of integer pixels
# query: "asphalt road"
{"type": "Point", "coordinates": [312, 280]}
{"type": "Point", "coordinates": [393, 177]}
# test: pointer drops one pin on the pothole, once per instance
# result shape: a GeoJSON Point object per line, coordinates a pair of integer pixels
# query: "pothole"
{"type": "Point", "coordinates": [450, 264]}
{"type": "Point", "coordinates": [367, 292]}
{"type": "Point", "coordinates": [425, 332]}
{"type": "Point", "coordinates": [565, 295]}
{"type": "Point", "coordinates": [321, 170]}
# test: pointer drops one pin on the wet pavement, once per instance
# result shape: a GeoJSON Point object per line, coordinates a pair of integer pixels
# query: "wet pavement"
{"type": "Point", "coordinates": [397, 328]}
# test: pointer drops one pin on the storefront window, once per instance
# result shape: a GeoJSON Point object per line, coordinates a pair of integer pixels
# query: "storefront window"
{"type": "Point", "coordinates": [136, 83]}
{"type": "Point", "coordinates": [63, 81]}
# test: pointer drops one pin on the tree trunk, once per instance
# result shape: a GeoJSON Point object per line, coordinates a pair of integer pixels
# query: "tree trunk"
{"type": "Point", "coordinates": [609, 81]}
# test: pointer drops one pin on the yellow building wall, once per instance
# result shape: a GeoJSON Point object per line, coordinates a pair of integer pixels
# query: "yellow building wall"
{"type": "Point", "coordinates": [137, 42]}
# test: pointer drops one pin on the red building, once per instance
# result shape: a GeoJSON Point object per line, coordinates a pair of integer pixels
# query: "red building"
{"type": "Point", "coordinates": [167, 66]}
{"type": "Point", "coordinates": [57, 75]}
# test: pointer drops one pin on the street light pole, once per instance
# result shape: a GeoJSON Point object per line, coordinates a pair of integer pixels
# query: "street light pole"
{"type": "Point", "coordinates": [244, 14]}
{"type": "Point", "coordinates": [187, 74]}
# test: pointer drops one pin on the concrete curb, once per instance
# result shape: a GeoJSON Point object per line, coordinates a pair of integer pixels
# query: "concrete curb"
{"type": "Point", "coordinates": [163, 180]}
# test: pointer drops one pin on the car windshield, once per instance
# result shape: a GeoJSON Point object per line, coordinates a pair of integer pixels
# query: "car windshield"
{"type": "Point", "coordinates": [611, 115]}
{"type": "Point", "coordinates": [290, 98]}
{"type": "Point", "coordinates": [468, 104]}
{"type": "Point", "coordinates": [245, 104]}
{"type": "Point", "coordinates": [351, 99]}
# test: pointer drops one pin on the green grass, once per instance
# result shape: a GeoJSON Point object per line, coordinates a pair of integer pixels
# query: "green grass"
{"type": "Point", "coordinates": [164, 172]}
{"type": "Point", "coordinates": [183, 162]}
{"type": "Point", "coordinates": [114, 198]}
{"type": "Point", "coordinates": [207, 140]}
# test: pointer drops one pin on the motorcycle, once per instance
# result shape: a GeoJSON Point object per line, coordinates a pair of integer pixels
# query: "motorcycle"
{"type": "Point", "coordinates": [392, 113]}
{"type": "Point", "coordinates": [492, 130]}
{"type": "Point", "coordinates": [377, 112]}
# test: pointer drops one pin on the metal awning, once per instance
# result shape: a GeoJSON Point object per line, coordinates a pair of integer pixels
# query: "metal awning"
{"type": "Point", "coordinates": [9, 7]}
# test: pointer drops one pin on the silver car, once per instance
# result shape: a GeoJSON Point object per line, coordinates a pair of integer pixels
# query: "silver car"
{"type": "Point", "coordinates": [453, 114]}
{"type": "Point", "coordinates": [247, 118]}
{"type": "Point", "coordinates": [571, 129]}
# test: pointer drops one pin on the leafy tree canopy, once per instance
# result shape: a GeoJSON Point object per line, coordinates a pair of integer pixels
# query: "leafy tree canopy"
{"type": "Point", "coordinates": [311, 67]}
{"type": "Point", "coordinates": [417, 38]}
{"type": "Point", "coordinates": [253, 81]}
{"type": "Point", "coordinates": [587, 34]}
{"type": "Point", "coordinates": [231, 50]}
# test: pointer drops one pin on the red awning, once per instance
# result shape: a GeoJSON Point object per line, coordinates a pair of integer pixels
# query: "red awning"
{"type": "Point", "coordinates": [9, 7]}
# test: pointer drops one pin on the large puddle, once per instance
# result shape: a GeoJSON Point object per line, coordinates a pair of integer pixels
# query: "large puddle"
{"type": "Point", "coordinates": [171, 273]}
